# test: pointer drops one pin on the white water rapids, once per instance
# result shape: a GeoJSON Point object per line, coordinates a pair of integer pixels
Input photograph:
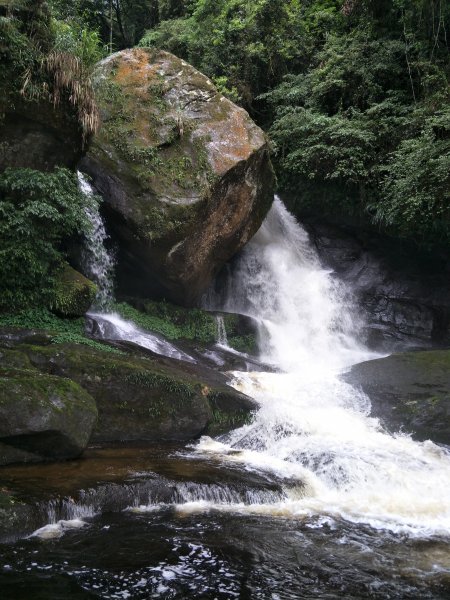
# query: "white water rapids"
{"type": "Point", "coordinates": [312, 427]}
{"type": "Point", "coordinates": [312, 431]}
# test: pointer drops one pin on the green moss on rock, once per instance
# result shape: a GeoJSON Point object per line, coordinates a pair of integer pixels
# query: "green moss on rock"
{"type": "Point", "coordinates": [73, 293]}
{"type": "Point", "coordinates": [192, 324]}
{"type": "Point", "coordinates": [43, 415]}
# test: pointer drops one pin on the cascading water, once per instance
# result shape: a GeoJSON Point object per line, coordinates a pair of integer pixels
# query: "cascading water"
{"type": "Point", "coordinates": [99, 266]}
{"type": "Point", "coordinates": [151, 522]}
{"type": "Point", "coordinates": [98, 263]}
{"type": "Point", "coordinates": [312, 427]}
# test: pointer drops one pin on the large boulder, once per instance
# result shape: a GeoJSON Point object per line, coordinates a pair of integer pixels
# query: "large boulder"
{"type": "Point", "coordinates": [139, 397]}
{"type": "Point", "coordinates": [73, 294]}
{"type": "Point", "coordinates": [41, 416]}
{"type": "Point", "coordinates": [409, 392]}
{"type": "Point", "coordinates": [185, 173]}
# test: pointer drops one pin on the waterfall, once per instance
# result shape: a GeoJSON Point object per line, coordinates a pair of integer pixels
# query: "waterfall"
{"type": "Point", "coordinates": [98, 263]}
{"type": "Point", "coordinates": [312, 426]}
{"type": "Point", "coordinates": [222, 339]}
{"type": "Point", "coordinates": [305, 316]}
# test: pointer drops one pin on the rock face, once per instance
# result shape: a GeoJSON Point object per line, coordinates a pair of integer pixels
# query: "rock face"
{"type": "Point", "coordinates": [42, 417]}
{"type": "Point", "coordinates": [185, 174]}
{"type": "Point", "coordinates": [138, 397]}
{"type": "Point", "coordinates": [404, 297]}
{"type": "Point", "coordinates": [38, 135]}
{"type": "Point", "coordinates": [409, 391]}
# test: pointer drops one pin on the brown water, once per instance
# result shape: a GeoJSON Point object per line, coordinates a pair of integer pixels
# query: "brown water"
{"type": "Point", "coordinates": [165, 552]}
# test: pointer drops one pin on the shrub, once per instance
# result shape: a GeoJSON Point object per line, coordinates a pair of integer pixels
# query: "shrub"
{"type": "Point", "coordinates": [37, 212]}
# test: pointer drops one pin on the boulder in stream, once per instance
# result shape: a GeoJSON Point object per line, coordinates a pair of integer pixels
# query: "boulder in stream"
{"type": "Point", "coordinates": [42, 417]}
{"type": "Point", "coordinates": [185, 173]}
{"type": "Point", "coordinates": [139, 397]}
{"type": "Point", "coordinates": [409, 392]}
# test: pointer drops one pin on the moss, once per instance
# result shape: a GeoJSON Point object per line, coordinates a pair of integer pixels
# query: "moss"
{"type": "Point", "coordinates": [60, 330]}
{"type": "Point", "coordinates": [147, 131]}
{"type": "Point", "coordinates": [172, 321]}
{"type": "Point", "coordinates": [14, 359]}
{"type": "Point", "coordinates": [194, 324]}
{"type": "Point", "coordinates": [73, 293]}
{"type": "Point", "coordinates": [183, 390]}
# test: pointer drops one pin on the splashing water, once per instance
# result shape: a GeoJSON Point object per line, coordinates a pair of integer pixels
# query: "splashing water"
{"type": "Point", "coordinates": [98, 263]}
{"type": "Point", "coordinates": [99, 266]}
{"type": "Point", "coordinates": [312, 426]}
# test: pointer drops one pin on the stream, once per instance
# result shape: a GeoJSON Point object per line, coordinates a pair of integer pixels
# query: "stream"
{"type": "Point", "coordinates": [312, 499]}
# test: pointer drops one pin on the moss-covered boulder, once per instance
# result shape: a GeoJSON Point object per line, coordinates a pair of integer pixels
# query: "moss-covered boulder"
{"type": "Point", "coordinates": [41, 416]}
{"type": "Point", "coordinates": [139, 398]}
{"type": "Point", "coordinates": [409, 391]}
{"type": "Point", "coordinates": [73, 294]}
{"type": "Point", "coordinates": [185, 173]}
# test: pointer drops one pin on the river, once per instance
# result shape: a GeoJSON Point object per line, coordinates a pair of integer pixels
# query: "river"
{"type": "Point", "coordinates": [312, 499]}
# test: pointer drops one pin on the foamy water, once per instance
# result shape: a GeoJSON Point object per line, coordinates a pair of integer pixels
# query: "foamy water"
{"type": "Point", "coordinates": [312, 426]}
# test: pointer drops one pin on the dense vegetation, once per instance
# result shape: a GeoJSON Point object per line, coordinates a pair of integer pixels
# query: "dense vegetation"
{"type": "Point", "coordinates": [37, 212]}
{"type": "Point", "coordinates": [354, 95]}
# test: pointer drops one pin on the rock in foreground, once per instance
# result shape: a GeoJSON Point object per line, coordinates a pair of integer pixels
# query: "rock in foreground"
{"type": "Point", "coordinates": [409, 392]}
{"type": "Point", "coordinates": [50, 393]}
{"type": "Point", "coordinates": [42, 417]}
{"type": "Point", "coordinates": [185, 173]}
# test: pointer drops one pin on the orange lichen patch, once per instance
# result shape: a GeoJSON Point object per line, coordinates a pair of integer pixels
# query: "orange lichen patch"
{"type": "Point", "coordinates": [135, 70]}
{"type": "Point", "coordinates": [231, 142]}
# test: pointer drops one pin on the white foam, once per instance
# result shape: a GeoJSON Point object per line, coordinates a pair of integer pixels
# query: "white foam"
{"type": "Point", "coordinates": [57, 530]}
{"type": "Point", "coordinates": [312, 426]}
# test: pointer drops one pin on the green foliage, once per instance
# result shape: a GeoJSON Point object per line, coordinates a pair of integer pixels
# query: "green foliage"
{"type": "Point", "coordinates": [37, 212]}
{"type": "Point", "coordinates": [78, 40]}
{"type": "Point", "coordinates": [362, 128]}
{"type": "Point", "coordinates": [416, 191]}
{"type": "Point", "coordinates": [129, 20]}
{"type": "Point", "coordinates": [172, 321]}
{"type": "Point", "coordinates": [61, 330]}
{"type": "Point", "coordinates": [245, 46]}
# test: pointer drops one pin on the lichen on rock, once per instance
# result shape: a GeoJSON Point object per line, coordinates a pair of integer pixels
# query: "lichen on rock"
{"type": "Point", "coordinates": [185, 173]}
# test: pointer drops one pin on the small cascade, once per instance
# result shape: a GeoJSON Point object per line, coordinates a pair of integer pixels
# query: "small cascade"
{"type": "Point", "coordinates": [98, 263]}
{"type": "Point", "coordinates": [111, 326]}
{"type": "Point", "coordinates": [222, 339]}
{"type": "Point", "coordinates": [99, 266]}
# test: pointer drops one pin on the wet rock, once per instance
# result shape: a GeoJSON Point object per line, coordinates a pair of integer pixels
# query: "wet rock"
{"type": "Point", "coordinates": [404, 296]}
{"type": "Point", "coordinates": [38, 135]}
{"type": "Point", "coordinates": [142, 398]}
{"type": "Point", "coordinates": [185, 173]}
{"type": "Point", "coordinates": [41, 416]}
{"type": "Point", "coordinates": [73, 294]}
{"type": "Point", "coordinates": [409, 392]}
